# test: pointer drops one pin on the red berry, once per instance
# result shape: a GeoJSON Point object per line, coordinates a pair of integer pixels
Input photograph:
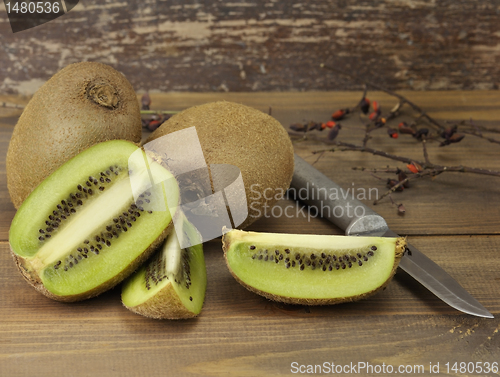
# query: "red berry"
{"type": "Point", "coordinates": [330, 124]}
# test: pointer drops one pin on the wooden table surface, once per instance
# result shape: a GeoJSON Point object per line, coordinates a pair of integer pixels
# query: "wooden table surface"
{"type": "Point", "coordinates": [453, 219]}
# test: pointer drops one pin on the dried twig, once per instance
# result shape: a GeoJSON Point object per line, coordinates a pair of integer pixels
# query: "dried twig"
{"type": "Point", "coordinates": [402, 99]}
{"type": "Point", "coordinates": [435, 168]}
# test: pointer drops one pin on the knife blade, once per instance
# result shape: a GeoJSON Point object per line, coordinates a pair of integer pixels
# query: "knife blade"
{"type": "Point", "coordinates": [357, 219]}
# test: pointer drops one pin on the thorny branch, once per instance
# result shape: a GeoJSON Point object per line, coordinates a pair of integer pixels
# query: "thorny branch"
{"type": "Point", "coordinates": [415, 169]}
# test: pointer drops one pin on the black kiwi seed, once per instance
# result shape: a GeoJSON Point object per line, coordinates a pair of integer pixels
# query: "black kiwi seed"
{"type": "Point", "coordinates": [324, 267]}
{"type": "Point", "coordinates": [252, 247]}
{"type": "Point", "coordinates": [374, 248]}
{"type": "Point", "coordinates": [281, 256]}
{"type": "Point", "coordinates": [343, 266]}
{"type": "Point", "coordinates": [370, 253]}
{"type": "Point", "coordinates": [287, 265]}
{"type": "Point", "coordinates": [365, 258]}
{"type": "Point", "coordinates": [301, 267]}
{"type": "Point", "coordinates": [349, 264]}
{"type": "Point", "coordinates": [41, 238]}
{"type": "Point", "coordinates": [323, 255]}
{"type": "Point", "coordinates": [287, 251]}
{"type": "Point", "coordinates": [86, 242]}
{"type": "Point", "coordinates": [260, 257]}
{"type": "Point", "coordinates": [79, 187]}
{"type": "Point", "coordinates": [330, 267]}
{"type": "Point", "coordinates": [190, 298]}
{"type": "Point", "coordinates": [253, 256]}
{"type": "Point", "coordinates": [293, 263]}
{"type": "Point", "coordinates": [359, 255]}
{"type": "Point", "coordinates": [360, 263]}
{"type": "Point", "coordinates": [41, 231]}
{"type": "Point", "coordinates": [297, 256]}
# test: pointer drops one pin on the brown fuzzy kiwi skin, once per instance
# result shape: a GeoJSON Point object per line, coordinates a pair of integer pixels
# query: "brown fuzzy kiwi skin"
{"type": "Point", "coordinates": [163, 305]}
{"type": "Point", "coordinates": [81, 105]}
{"type": "Point", "coordinates": [399, 252]}
{"type": "Point", "coordinates": [255, 142]}
{"type": "Point", "coordinates": [33, 279]}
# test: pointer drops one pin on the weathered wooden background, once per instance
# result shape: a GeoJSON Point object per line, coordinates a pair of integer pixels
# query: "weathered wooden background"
{"type": "Point", "coordinates": [255, 45]}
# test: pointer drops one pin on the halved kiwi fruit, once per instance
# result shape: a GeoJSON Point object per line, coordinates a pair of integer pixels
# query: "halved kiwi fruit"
{"type": "Point", "coordinates": [93, 221]}
{"type": "Point", "coordinates": [172, 284]}
{"type": "Point", "coordinates": [311, 269]}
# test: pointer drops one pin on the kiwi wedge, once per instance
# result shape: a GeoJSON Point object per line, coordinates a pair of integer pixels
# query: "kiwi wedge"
{"type": "Point", "coordinates": [172, 284]}
{"type": "Point", "coordinates": [311, 269]}
{"type": "Point", "coordinates": [93, 221]}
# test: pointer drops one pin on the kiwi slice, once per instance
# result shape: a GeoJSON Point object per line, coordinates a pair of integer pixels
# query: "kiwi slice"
{"type": "Point", "coordinates": [93, 221]}
{"type": "Point", "coordinates": [311, 269]}
{"type": "Point", "coordinates": [172, 284]}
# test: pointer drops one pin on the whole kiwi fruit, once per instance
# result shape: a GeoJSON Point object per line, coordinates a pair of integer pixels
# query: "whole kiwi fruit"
{"type": "Point", "coordinates": [81, 105]}
{"type": "Point", "coordinates": [256, 143]}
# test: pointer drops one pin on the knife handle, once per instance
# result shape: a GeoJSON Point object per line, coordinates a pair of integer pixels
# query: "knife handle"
{"type": "Point", "coordinates": [334, 203]}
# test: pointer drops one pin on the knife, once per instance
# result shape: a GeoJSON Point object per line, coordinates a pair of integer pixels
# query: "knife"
{"type": "Point", "coordinates": [356, 219]}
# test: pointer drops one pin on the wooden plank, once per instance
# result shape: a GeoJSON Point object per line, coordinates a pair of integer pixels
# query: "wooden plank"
{"type": "Point", "coordinates": [452, 203]}
{"type": "Point", "coordinates": [262, 46]}
{"type": "Point", "coordinates": [239, 333]}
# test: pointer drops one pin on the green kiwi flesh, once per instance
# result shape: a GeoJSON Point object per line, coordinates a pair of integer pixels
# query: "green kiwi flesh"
{"type": "Point", "coordinates": [311, 269]}
{"type": "Point", "coordinates": [81, 231]}
{"type": "Point", "coordinates": [172, 284]}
